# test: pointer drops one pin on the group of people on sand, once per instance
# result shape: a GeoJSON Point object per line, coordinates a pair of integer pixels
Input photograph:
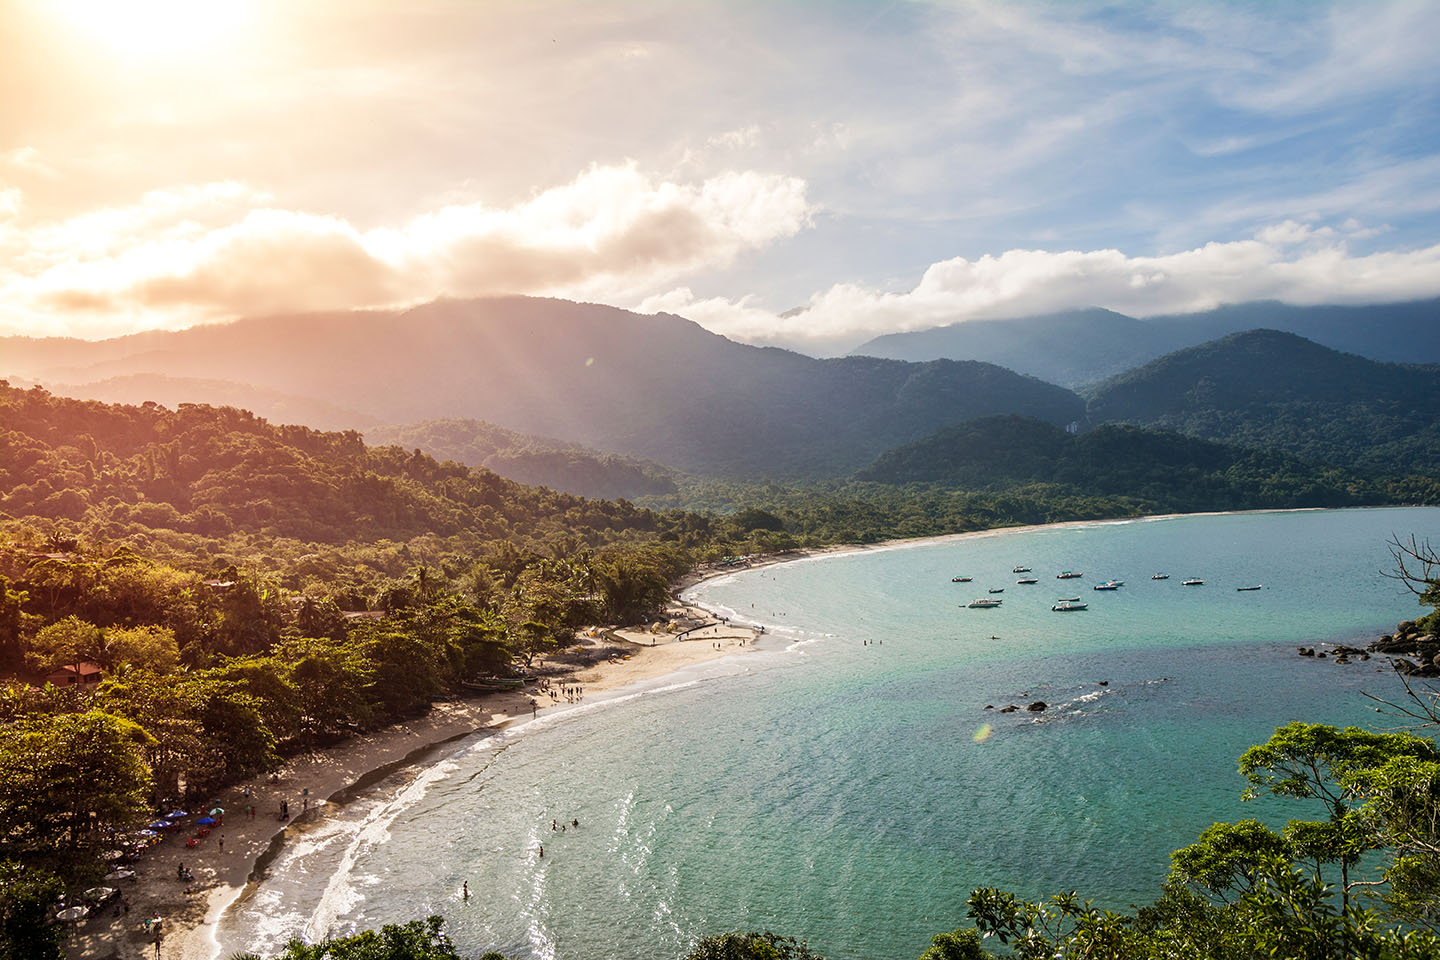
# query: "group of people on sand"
{"type": "Point", "coordinates": [573, 692]}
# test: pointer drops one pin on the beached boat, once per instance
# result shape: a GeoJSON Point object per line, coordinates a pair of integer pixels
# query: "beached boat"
{"type": "Point", "coordinates": [1068, 575]}
{"type": "Point", "coordinates": [494, 683]}
{"type": "Point", "coordinates": [984, 603]}
{"type": "Point", "coordinates": [1066, 606]}
{"type": "Point", "coordinates": [1258, 586]}
{"type": "Point", "coordinates": [1159, 576]}
{"type": "Point", "coordinates": [997, 589]}
{"type": "Point", "coordinates": [961, 579]}
{"type": "Point", "coordinates": [1020, 570]}
{"type": "Point", "coordinates": [1192, 582]}
{"type": "Point", "coordinates": [1028, 580]}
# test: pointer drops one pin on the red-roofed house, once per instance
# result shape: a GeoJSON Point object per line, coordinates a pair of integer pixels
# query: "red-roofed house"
{"type": "Point", "coordinates": [84, 674]}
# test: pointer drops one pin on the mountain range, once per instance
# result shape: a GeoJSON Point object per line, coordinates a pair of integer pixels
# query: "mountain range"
{"type": "Point", "coordinates": [593, 400]}
{"type": "Point", "coordinates": [1082, 347]}
{"type": "Point", "coordinates": [651, 386]}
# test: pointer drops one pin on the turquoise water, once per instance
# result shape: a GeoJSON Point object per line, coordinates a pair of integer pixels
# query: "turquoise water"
{"type": "Point", "coordinates": [837, 785]}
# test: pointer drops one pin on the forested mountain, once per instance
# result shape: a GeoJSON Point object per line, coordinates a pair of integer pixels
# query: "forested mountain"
{"type": "Point", "coordinates": [539, 461]}
{"type": "Point", "coordinates": [1276, 390]}
{"type": "Point", "coordinates": [1080, 347]}
{"type": "Point", "coordinates": [1167, 470]}
{"type": "Point", "coordinates": [657, 387]}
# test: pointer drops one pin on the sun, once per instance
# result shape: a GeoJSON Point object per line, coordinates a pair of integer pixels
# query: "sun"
{"type": "Point", "coordinates": [148, 28]}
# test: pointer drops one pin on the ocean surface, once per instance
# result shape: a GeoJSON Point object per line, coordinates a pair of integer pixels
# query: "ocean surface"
{"type": "Point", "coordinates": [845, 783]}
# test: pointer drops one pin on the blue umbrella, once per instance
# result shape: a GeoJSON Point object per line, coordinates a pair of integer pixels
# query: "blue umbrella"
{"type": "Point", "coordinates": [176, 815]}
{"type": "Point", "coordinates": [159, 825]}
{"type": "Point", "coordinates": [205, 821]}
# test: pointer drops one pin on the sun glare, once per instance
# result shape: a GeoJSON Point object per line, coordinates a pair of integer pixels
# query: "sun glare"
{"type": "Point", "coordinates": [146, 28]}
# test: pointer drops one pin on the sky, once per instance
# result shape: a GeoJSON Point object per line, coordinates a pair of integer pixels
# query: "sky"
{"type": "Point", "coordinates": [807, 174]}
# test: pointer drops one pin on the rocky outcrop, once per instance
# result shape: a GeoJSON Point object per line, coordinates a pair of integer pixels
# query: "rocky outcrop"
{"type": "Point", "coordinates": [1406, 642]}
{"type": "Point", "coordinates": [1037, 707]}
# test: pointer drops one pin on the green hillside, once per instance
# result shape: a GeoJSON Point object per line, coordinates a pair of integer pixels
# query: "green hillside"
{"type": "Point", "coordinates": [1264, 388]}
{"type": "Point", "coordinates": [1166, 471]}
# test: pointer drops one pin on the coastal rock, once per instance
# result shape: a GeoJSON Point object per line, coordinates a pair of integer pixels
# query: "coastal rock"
{"type": "Point", "coordinates": [1104, 683]}
{"type": "Point", "coordinates": [1322, 654]}
{"type": "Point", "coordinates": [1306, 651]}
{"type": "Point", "coordinates": [1409, 626]}
{"type": "Point", "coordinates": [1395, 644]}
{"type": "Point", "coordinates": [989, 706]}
{"type": "Point", "coordinates": [1410, 669]}
{"type": "Point", "coordinates": [1037, 707]}
{"type": "Point", "coordinates": [1009, 709]}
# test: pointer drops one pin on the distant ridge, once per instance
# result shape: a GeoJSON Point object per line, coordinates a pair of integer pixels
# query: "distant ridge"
{"type": "Point", "coordinates": [1079, 347]}
{"type": "Point", "coordinates": [536, 461]}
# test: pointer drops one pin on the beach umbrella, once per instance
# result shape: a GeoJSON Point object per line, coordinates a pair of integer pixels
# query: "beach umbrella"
{"type": "Point", "coordinates": [216, 811]}
{"type": "Point", "coordinates": [176, 815]}
{"type": "Point", "coordinates": [72, 913]}
{"type": "Point", "coordinates": [99, 893]}
{"type": "Point", "coordinates": [120, 875]}
{"type": "Point", "coordinates": [157, 825]}
{"type": "Point", "coordinates": [205, 821]}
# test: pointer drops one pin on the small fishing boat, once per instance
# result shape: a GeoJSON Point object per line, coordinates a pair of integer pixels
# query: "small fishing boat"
{"type": "Point", "coordinates": [1068, 600]}
{"type": "Point", "coordinates": [1159, 576]}
{"type": "Point", "coordinates": [1028, 580]}
{"type": "Point", "coordinates": [1068, 575]}
{"type": "Point", "coordinates": [997, 589]}
{"type": "Point", "coordinates": [1066, 606]}
{"type": "Point", "coordinates": [984, 603]}
{"type": "Point", "coordinates": [961, 579]}
{"type": "Point", "coordinates": [1020, 570]}
{"type": "Point", "coordinates": [1258, 586]}
{"type": "Point", "coordinates": [1192, 582]}
{"type": "Point", "coordinates": [1106, 586]}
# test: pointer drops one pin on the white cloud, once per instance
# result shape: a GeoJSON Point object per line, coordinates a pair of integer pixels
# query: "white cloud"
{"type": "Point", "coordinates": [214, 251]}
{"type": "Point", "coordinates": [1291, 262]}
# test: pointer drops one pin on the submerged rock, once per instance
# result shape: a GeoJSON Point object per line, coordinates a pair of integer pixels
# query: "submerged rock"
{"type": "Point", "coordinates": [1037, 707]}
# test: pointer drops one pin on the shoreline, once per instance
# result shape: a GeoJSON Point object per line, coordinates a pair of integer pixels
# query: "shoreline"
{"type": "Point", "coordinates": [333, 775]}
{"type": "Point", "coordinates": [701, 575]}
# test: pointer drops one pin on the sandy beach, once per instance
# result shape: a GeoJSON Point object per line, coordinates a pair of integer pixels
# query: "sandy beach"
{"type": "Point", "coordinates": [609, 659]}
